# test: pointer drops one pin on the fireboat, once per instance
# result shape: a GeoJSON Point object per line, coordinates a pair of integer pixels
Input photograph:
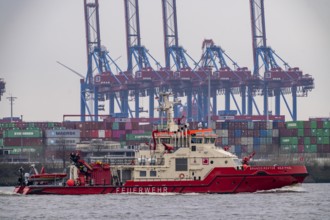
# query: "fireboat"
{"type": "Point", "coordinates": [177, 160]}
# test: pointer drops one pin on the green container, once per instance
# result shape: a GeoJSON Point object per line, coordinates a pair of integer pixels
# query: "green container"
{"type": "Point", "coordinates": [326, 132]}
{"type": "Point", "coordinates": [307, 140]}
{"type": "Point", "coordinates": [289, 140]}
{"type": "Point", "coordinates": [115, 126]}
{"type": "Point", "coordinates": [319, 132]}
{"type": "Point", "coordinates": [319, 140]}
{"type": "Point", "coordinates": [300, 132]}
{"type": "Point", "coordinates": [138, 137]}
{"type": "Point", "coordinates": [313, 124]}
{"type": "Point", "coordinates": [31, 125]}
{"type": "Point", "coordinates": [24, 150]}
{"type": "Point", "coordinates": [250, 125]}
{"type": "Point", "coordinates": [310, 149]}
{"type": "Point", "coordinates": [294, 148]}
{"type": "Point", "coordinates": [28, 133]}
{"type": "Point", "coordinates": [7, 125]}
{"type": "Point", "coordinates": [294, 124]}
{"type": "Point", "coordinates": [326, 140]}
{"type": "Point", "coordinates": [314, 132]}
{"type": "Point", "coordinates": [1, 142]}
{"type": "Point", "coordinates": [285, 149]}
{"type": "Point", "coordinates": [326, 124]}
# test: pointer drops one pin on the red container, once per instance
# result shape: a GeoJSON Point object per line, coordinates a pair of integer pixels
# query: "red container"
{"type": "Point", "coordinates": [250, 133]}
{"type": "Point", "coordinates": [128, 126]}
{"type": "Point", "coordinates": [22, 142]}
{"type": "Point", "coordinates": [231, 141]}
{"type": "Point", "coordinates": [108, 125]}
{"type": "Point", "coordinates": [307, 132]}
{"type": "Point", "coordinates": [307, 124]}
{"type": "Point", "coordinates": [94, 133]}
{"type": "Point", "coordinates": [301, 148]}
{"type": "Point", "coordinates": [301, 140]}
{"type": "Point", "coordinates": [231, 133]}
{"type": "Point", "coordinates": [313, 140]}
{"type": "Point", "coordinates": [256, 133]}
{"type": "Point", "coordinates": [276, 140]}
{"type": "Point", "coordinates": [237, 141]}
{"type": "Point", "coordinates": [244, 133]}
{"type": "Point", "coordinates": [281, 124]}
{"type": "Point", "coordinates": [319, 124]}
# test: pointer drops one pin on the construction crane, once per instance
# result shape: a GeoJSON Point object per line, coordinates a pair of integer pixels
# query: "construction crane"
{"type": "Point", "coordinates": [278, 78]}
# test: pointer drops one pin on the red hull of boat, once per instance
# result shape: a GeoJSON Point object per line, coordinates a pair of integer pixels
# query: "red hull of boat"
{"type": "Point", "coordinates": [220, 180]}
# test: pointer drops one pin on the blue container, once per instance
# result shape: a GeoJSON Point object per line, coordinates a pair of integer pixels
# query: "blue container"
{"type": "Point", "coordinates": [256, 148]}
{"type": "Point", "coordinates": [238, 149]}
{"type": "Point", "coordinates": [263, 133]}
{"type": "Point", "coordinates": [238, 133]}
{"type": "Point", "coordinates": [224, 125]}
{"type": "Point", "coordinates": [256, 141]}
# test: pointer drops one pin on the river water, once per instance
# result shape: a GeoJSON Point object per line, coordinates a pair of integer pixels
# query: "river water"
{"type": "Point", "coordinates": [306, 201]}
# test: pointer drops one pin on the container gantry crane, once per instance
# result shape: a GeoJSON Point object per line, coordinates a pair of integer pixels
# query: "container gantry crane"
{"type": "Point", "coordinates": [138, 60]}
{"type": "Point", "coordinates": [228, 80]}
{"type": "Point", "coordinates": [186, 80]}
{"type": "Point", "coordinates": [100, 81]}
{"type": "Point", "coordinates": [277, 81]}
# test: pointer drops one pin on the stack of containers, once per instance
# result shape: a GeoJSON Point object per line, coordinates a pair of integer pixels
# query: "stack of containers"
{"type": "Point", "coordinates": [23, 142]}
{"type": "Point", "coordinates": [60, 142]}
{"type": "Point", "coordinates": [93, 130]}
{"type": "Point", "coordinates": [306, 137]}
{"type": "Point", "coordinates": [245, 137]}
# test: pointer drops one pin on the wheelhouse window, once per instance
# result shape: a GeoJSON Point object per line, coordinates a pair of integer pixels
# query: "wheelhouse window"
{"type": "Point", "coordinates": [209, 140]}
{"type": "Point", "coordinates": [196, 140]}
{"type": "Point", "coordinates": [153, 173]}
{"type": "Point", "coordinates": [181, 164]}
{"type": "Point", "coordinates": [165, 140]}
{"type": "Point", "coordinates": [143, 173]}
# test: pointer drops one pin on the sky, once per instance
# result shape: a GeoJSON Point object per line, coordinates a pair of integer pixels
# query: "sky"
{"type": "Point", "coordinates": [37, 33]}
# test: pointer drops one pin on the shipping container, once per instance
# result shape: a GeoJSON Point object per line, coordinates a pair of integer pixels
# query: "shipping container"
{"type": "Point", "coordinates": [222, 133]}
{"type": "Point", "coordinates": [289, 140]}
{"type": "Point", "coordinates": [307, 140]}
{"type": "Point", "coordinates": [62, 141]}
{"type": "Point", "coordinates": [313, 124]}
{"type": "Point", "coordinates": [28, 133]}
{"type": "Point", "coordinates": [301, 148]}
{"type": "Point", "coordinates": [310, 148]}
{"type": "Point", "coordinates": [62, 133]}
{"type": "Point", "coordinates": [115, 126]}
{"type": "Point", "coordinates": [133, 137]}
{"type": "Point", "coordinates": [22, 142]}
{"type": "Point", "coordinates": [275, 133]}
{"type": "Point", "coordinates": [326, 124]}
{"type": "Point", "coordinates": [294, 124]}
{"type": "Point", "coordinates": [17, 150]}
{"type": "Point", "coordinates": [313, 132]}
{"type": "Point", "coordinates": [300, 132]}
